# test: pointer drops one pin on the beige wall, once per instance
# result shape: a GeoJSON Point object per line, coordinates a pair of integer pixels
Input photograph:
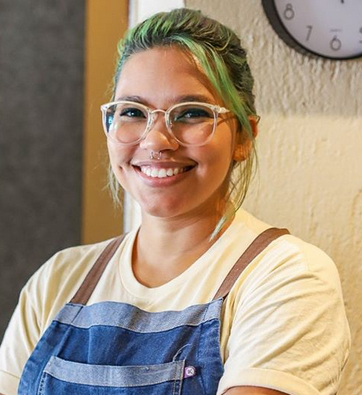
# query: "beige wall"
{"type": "Point", "coordinates": [104, 28]}
{"type": "Point", "coordinates": [310, 145]}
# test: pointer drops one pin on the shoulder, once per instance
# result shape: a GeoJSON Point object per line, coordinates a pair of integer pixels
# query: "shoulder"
{"type": "Point", "coordinates": [67, 262]}
{"type": "Point", "coordinates": [57, 280]}
{"type": "Point", "coordinates": [313, 260]}
{"type": "Point", "coordinates": [286, 262]}
{"type": "Point", "coordinates": [290, 283]}
{"type": "Point", "coordinates": [289, 255]}
{"type": "Point", "coordinates": [277, 320]}
{"type": "Point", "coordinates": [46, 292]}
{"type": "Point", "coordinates": [291, 268]}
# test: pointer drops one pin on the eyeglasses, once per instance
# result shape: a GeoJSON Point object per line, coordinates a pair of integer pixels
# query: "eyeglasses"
{"type": "Point", "coordinates": [190, 123]}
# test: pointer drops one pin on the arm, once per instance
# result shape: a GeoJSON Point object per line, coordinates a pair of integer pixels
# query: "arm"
{"type": "Point", "coordinates": [280, 336]}
{"type": "Point", "coordinates": [17, 344]}
{"type": "Point", "coordinates": [252, 391]}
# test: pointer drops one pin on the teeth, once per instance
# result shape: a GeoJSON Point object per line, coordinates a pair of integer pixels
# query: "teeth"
{"type": "Point", "coordinates": [161, 173]}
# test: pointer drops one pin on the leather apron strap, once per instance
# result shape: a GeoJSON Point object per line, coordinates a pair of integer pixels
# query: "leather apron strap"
{"type": "Point", "coordinates": [254, 249]}
{"type": "Point", "coordinates": [86, 289]}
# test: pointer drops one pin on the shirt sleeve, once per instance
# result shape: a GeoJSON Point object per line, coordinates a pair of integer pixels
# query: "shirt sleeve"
{"type": "Point", "coordinates": [19, 340]}
{"type": "Point", "coordinates": [288, 329]}
{"type": "Point", "coordinates": [46, 292]}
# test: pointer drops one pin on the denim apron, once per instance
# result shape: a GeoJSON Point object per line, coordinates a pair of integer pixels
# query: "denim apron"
{"type": "Point", "coordinates": [115, 348]}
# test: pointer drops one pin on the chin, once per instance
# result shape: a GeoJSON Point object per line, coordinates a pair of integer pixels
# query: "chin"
{"type": "Point", "coordinates": [163, 208]}
{"type": "Point", "coordinates": [160, 212]}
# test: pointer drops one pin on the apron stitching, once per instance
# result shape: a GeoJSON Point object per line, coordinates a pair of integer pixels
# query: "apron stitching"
{"type": "Point", "coordinates": [179, 352]}
{"type": "Point", "coordinates": [41, 385]}
{"type": "Point", "coordinates": [178, 382]}
{"type": "Point", "coordinates": [199, 348]}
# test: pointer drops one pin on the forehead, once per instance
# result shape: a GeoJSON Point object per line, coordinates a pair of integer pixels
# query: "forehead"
{"type": "Point", "coordinates": [164, 75]}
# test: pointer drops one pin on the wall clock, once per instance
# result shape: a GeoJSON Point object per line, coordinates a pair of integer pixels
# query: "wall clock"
{"type": "Point", "coordinates": [326, 28]}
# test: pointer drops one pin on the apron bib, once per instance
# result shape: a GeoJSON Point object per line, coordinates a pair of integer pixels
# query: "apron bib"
{"type": "Point", "coordinates": [115, 348]}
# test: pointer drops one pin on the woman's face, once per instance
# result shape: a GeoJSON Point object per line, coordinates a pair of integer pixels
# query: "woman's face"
{"type": "Point", "coordinates": [160, 78]}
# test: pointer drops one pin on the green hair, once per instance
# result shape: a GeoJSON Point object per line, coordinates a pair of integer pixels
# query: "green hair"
{"type": "Point", "coordinates": [223, 60]}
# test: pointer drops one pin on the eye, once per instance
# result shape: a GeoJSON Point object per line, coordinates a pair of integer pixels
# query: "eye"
{"type": "Point", "coordinates": [131, 113]}
{"type": "Point", "coordinates": [192, 114]}
{"type": "Point", "coordinates": [122, 113]}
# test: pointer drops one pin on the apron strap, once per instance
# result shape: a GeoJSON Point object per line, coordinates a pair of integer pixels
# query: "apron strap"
{"type": "Point", "coordinates": [255, 248]}
{"type": "Point", "coordinates": [86, 289]}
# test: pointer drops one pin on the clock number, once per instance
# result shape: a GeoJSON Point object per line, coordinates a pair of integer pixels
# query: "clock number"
{"type": "Point", "coordinates": [336, 43]}
{"type": "Point", "coordinates": [310, 28]}
{"type": "Point", "coordinates": [289, 12]}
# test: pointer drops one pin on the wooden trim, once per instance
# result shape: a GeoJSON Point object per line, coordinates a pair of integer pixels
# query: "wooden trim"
{"type": "Point", "coordinates": [106, 22]}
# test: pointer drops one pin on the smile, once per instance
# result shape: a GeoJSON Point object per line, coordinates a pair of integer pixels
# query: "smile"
{"type": "Point", "coordinates": [162, 173]}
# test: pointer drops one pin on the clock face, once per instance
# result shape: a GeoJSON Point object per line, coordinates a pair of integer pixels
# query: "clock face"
{"type": "Point", "coordinates": [329, 28]}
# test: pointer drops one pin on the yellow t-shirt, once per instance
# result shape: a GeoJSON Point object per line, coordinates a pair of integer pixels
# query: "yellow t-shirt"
{"type": "Point", "coordinates": [283, 323]}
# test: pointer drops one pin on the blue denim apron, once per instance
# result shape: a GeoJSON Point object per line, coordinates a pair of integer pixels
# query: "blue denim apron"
{"type": "Point", "coordinates": [116, 348]}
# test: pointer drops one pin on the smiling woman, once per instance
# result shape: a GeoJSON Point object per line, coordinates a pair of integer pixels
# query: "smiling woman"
{"type": "Point", "coordinates": [200, 152]}
{"type": "Point", "coordinates": [169, 308]}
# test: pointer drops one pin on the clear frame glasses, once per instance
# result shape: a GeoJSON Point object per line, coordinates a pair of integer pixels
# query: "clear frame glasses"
{"type": "Point", "coordinates": [189, 123]}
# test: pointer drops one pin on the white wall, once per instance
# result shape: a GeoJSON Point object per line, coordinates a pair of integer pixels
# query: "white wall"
{"type": "Point", "coordinates": [310, 152]}
{"type": "Point", "coordinates": [142, 9]}
{"type": "Point", "coordinates": [310, 145]}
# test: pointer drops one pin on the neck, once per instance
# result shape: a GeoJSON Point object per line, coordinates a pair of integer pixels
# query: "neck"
{"type": "Point", "coordinates": [165, 248]}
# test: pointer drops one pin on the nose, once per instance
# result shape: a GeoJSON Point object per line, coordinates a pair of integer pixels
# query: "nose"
{"type": "Point", "coordinates": [158, 138]}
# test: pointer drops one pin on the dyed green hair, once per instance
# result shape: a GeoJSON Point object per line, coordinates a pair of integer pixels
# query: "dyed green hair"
{"type": "Point", "coordinates": [223, 60]}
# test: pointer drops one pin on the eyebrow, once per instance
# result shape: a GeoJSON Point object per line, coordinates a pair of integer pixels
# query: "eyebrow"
{"type": "Point", "coordinates": [178, 99]}
{"type": "Point", "coordinates": [195, 98]}
{"type": "Point", "coordinates": [136, 99]}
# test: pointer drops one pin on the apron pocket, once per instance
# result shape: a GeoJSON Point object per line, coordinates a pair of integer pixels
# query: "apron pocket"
{"type": "Point", "coordinates": [71, 376]}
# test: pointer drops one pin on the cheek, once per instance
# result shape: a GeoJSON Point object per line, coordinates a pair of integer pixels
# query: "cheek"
{"type": "Point", "coordinates": [220, 162]}
{"type": "Point", "coordinates": [112, 153]}
{"type": "Point", "coordinates": [119, 157]}
{"type": "Point", "coordinates": [220, 155]}
{"type": "Point", "coordinates": [215, 166]}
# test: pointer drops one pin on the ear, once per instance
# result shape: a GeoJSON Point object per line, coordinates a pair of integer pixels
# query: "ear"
{"type": "Point", "coordinates": [242, 150]}
{"type": "Point", "coordinates": [254, 120]}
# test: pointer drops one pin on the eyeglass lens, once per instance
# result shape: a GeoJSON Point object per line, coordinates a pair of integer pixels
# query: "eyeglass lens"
{"type": "Point", "coordinates": [189, 123]}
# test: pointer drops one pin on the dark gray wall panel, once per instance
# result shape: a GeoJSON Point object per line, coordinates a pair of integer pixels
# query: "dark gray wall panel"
{"type": "Point", "coordinates": [41, 111]}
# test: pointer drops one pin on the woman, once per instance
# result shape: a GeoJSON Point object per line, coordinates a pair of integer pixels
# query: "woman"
{"type": "Point", "coordinates": [164, 310]}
